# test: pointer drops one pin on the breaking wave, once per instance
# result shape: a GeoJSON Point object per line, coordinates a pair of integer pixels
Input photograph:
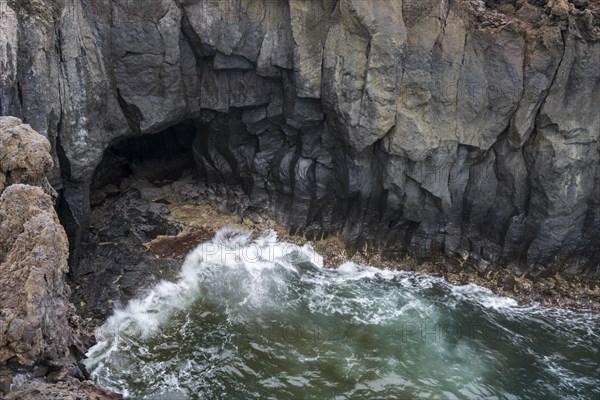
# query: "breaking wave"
{"type": "Point", "coordinates": [259, 318]}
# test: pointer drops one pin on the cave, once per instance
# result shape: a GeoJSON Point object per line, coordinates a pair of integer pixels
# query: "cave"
{"type": "Point", "coordinates": [216, 149]}
{"type": "Point", "coordinates": [160, 158]}
{"type": "Point", "coordinates": [141, 181]}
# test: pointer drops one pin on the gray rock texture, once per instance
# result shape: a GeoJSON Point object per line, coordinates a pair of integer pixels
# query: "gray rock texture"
{"type": "Point", "coordinates": [421, 126]}
{"type": "Point", "coordinates": [33, 293]}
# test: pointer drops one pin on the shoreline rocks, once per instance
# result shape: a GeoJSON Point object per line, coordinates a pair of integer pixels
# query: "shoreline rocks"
{"type": "Point", "coordinates": [178, 216]}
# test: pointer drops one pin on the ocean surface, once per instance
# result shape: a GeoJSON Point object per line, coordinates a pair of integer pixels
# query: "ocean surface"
{"type": "Point", "coordinates": [256, 318]}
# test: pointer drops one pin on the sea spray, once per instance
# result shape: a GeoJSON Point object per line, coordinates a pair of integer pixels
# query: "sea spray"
{"type": "Point", "coordinates": [231, 248]}
{"type": "Point", "coordinates": [258, 318]}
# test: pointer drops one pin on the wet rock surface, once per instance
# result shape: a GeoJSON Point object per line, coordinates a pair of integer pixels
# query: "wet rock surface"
{"type": "Point", "coordinates": [142, 234]}
{"type": "Point", "coordinates": [116, 265]}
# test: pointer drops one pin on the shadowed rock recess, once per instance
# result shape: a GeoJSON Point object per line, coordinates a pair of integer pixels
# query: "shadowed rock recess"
{"type": "Point", "coordinates": [428, 127]}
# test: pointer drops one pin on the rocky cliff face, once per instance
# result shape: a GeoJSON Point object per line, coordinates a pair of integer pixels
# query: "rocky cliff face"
{"type": "Point", "coordinates": [38, 324]}
{"type": "Point", "coordinates": [35, 311]}
{"type": "Point", "coordinates": [428, 126]}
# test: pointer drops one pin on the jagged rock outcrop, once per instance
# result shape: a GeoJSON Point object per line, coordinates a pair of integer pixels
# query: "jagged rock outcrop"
{"type": "Point", "coordinates": [33, 293]}
{"type": "Point", "coordinates": [38, 324]}
{"type": "Point", "coordinates": [35, 324]}
{"type": "Point", "coordinates": [24, 156]}
{"type": "Point", "coordinates": [429, 126]}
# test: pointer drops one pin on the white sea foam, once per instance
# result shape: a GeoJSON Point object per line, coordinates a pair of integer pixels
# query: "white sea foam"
{"type": "Point", "coordinates": [483, 296]}
{"type": "Point", "coordinates": [231, 248]}
{"type": "Point", "coordinates": [237, 279]}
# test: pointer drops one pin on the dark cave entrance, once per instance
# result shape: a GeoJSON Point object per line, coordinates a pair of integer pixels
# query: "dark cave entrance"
{"type": "Point", "coordinates": [150, 199]}
{"type": "Point", "coordinates": [130, 195]}
{"type": "Point", "coordinates": [218, 150]}
{"type": "Point", "coordinates": [159, 158]}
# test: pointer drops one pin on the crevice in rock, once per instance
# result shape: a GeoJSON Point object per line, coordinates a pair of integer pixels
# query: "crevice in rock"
{"type": "Point", "coordinates": [20, 95]}
{"type": "Point", "coordinates": [199, 49]}
{"type": "Point", "coordinates": [65, 165]}
{"type": "Point", "coordinates": [132, 114]}
{"type": "Point", "coordinates": [531, 223]}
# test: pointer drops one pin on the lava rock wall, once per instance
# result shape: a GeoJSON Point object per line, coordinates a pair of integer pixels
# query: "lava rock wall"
{"type": "Point", "coordinates": [431, 127]}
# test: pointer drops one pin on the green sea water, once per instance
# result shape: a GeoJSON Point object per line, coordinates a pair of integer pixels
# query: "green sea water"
{"type": "Point", "coordinates": [261, 319]}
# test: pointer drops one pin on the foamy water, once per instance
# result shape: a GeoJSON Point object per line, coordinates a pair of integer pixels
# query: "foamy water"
{"type": "Point", "coordinates": [260, 318]}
